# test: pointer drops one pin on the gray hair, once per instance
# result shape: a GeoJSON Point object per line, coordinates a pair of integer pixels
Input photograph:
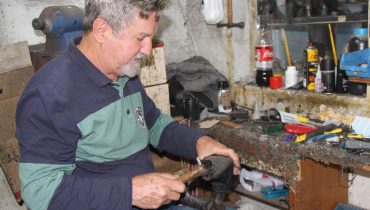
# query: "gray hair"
{"type": "Point", "coordinates": [120, 13]}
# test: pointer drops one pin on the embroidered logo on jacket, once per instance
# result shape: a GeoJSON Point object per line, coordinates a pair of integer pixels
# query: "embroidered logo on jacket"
{"type": "Point", "coordinates": [140, 117]}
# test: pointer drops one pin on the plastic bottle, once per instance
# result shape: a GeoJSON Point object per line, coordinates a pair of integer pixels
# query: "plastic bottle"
{"type": "Point", "coordinates": [310, 63]}
{"type": "Point", "coordinates": [291, 76]}
{"type": "Point", "coordinates": [224, 97]}
{"type": "Point", "coordinates": [318, 81]}
{"type": "Point", "coordinates": [264, 57]}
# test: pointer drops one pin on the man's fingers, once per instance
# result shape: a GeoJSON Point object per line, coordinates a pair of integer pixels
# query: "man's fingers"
{"type": "Point", "coordinates": [155, 189]}
{"type": "Point", "coordinates": [169, 176]}
{"type": "Point", "coordinates": [174, 196]}
{"type": "Point", "coordinates": [177, 186]}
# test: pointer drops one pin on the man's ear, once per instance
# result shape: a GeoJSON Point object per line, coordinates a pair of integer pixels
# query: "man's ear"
{"type": "Point", "coordinates": [100, 29]}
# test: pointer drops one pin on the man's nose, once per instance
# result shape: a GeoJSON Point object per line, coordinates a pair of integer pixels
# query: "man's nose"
{"type": "Point", "coordinates": [147, 47]}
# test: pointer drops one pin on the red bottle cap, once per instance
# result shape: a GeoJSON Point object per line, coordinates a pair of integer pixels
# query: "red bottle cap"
{"type": "Point", "coordinates": [276, 82]}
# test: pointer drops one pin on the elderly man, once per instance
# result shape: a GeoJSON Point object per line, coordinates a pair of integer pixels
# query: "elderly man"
{"type": "Point", "coordinates": [85, 124]}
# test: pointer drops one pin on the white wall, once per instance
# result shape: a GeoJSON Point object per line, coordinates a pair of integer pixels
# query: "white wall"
{"type": "Point", "coordinates": [184, 33]}
{"type": "Point", "coordinates": [16, 19]}
{"type": "Point", "coordinates": [181, 28]}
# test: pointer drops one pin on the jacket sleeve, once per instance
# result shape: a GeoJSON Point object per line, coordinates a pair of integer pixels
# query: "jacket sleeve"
{"type": "Point", "coordinates": [48, 140]}
{"type": "Point", "coordinates": [168, 135]}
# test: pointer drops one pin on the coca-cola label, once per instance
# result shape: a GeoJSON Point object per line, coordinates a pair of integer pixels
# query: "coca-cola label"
{"type": "Point", "coordinates": [264, 53]}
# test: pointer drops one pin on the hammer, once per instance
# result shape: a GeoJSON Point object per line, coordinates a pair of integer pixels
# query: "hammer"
{"type": "Point", "coordinates": [219, 171]}
{"type": "Point", "coordinates": [204, 169]}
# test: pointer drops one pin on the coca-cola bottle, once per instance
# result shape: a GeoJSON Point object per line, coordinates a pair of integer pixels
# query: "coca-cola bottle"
{"type": "Point", "coordinates": [264, 57]}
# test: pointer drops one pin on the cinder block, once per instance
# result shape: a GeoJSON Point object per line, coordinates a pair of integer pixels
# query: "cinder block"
{"type": "Point", "coordinates": [14, 56]}
{"type": "Point", "coordinates": [160, 95]}
{"type": "Point", "coordinates": [153, 68]}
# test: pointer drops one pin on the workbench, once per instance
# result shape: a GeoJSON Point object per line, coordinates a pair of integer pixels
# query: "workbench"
{"type": "Point", "coordinates": [315, 172]}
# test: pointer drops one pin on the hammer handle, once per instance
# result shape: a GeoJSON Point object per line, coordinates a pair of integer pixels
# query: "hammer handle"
{"type": "Point", "coordinates": [190, 174]}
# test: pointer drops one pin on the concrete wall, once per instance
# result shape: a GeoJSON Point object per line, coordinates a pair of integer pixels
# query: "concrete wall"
{"type": "Point", "coordinates": [185, 34]}
{"type": "Point", "coordinates": [182, 28]}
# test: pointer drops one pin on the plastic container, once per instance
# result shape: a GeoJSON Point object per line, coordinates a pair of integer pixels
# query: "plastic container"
{"type": "Point", "coordinates": [253, 180]}
{"type": "Point", "coordinates": [318, 81]}
{"type": "Point", "coordinates": [264, 57]}
{"type": "Point", "coordinates": [358, 42]}
{"type": "Point", "coordinates": [291, 76]}
{"type": "Point", "coordinates": [276, 82]}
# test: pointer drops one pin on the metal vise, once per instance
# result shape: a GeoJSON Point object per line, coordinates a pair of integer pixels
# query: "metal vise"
{"type": "Point", "coordinates": [61, 25]}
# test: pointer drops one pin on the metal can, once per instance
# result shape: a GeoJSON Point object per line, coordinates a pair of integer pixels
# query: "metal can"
{"type": "Point", "coordinates": [310, 65]}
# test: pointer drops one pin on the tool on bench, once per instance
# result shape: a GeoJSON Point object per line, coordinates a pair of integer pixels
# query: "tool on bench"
{"type": "Point", "coordinates": [316, 132]}
{"type": "Point", "coordinates": [218, 170]}
{"type": "Point", "coordinates": [298, 119]}
{"type": "Point", "coordinates": [61, 25]}
{"type": "Point", "coordinates": [298, 129]}
{"type": "Point", "coordinates": [273, 128]}
{"type": "Point", "coordinates": [356, 144]}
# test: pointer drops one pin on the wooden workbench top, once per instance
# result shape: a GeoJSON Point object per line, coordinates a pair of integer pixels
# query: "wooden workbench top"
{"type": "Point", "coordinates": [271, 153]}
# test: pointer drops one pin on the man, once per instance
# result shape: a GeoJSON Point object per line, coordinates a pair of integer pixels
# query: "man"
{"type": "Point", "coordinates": [84, 122]}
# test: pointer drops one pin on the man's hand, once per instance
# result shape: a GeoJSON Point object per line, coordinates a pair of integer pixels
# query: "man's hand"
{"type": "Point", "coordinates": [207, 146]}
{"type": "Point", "coordinates": [150, 191]}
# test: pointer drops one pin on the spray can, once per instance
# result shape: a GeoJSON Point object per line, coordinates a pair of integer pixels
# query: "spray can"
{"type": "Point", "coordinates": [310, 63]}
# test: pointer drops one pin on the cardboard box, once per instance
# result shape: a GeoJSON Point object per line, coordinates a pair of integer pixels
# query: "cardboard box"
{"type": "Point", "coordinates": [153, 68]}
{"type": "Point", "coordinates": [7, 118]}
{"type": "Point", "coordinates": [160, 95]}
{"type": "Point", "coordinates": [15, 72]}
{"type": "Point", "coordinates": [14, 56]}
{"type": "Point", "coordinates": [13, 82]}
{"type": "Point", "coordinates": [9, 161]}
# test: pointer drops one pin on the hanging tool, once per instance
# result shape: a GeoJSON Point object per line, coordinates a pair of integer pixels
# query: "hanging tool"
{"type": "Point", "coordinates": [287, 49]}
{"type": "Point", "coordinates": [230, 23]}
{"type": "Point", "coordinates": [333, 46]}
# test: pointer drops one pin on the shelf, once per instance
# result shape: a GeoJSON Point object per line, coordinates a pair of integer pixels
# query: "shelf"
{"type": "Point", "coordinates": [276, 202]}
{"type": "Point", "coordinates": [352, 18]}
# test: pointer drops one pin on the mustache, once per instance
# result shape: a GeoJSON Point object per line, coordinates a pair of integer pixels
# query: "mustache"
{"type": "Point", "coordinates": [139, 56]}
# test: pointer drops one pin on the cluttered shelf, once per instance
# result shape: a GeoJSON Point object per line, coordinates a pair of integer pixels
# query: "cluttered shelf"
{"type": "Point", "coordinates": [274, 154]}
{"type": "Point", "coordinates": [349, 18]}
{"type": "Point", "coordinates": [279, 202]}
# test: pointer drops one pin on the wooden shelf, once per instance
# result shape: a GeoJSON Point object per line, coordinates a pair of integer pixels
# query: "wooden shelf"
{"type": "Point", "coordinates": [359, 80]}
{"type": "Point", "coordinates": [351, 18]}
{"type": "Point", "coordinates": [276, 202]}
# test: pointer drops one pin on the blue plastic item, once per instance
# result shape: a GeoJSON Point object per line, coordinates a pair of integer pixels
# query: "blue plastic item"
{"type": "Point", "coordinates": [273, 192]}
{"type": "Point", "coordinates": [342, 206]}
{"type": "Point", "coordinates": [356, 63]}
{"type": "Point", "coordinates": [360, 31]}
